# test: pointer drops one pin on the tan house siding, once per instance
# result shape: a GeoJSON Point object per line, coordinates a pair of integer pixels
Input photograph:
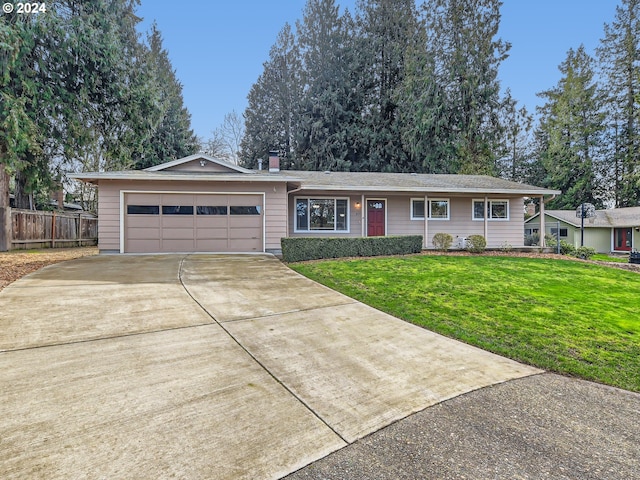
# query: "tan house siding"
{"type": "Point", "coordinates": [109, 215]}
{"type": "Point", "coordinates": [399, 222]}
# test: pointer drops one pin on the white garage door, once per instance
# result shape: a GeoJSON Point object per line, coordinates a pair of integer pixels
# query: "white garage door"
{"type": "Point", "coordinates": [176, 222]}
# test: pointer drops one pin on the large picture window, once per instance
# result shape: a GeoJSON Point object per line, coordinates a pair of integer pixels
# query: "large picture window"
{"type": "Point", "coordinates": [438, 209]}
{"type": "Point", "coordinates": [496, 209]}
{"type": "Point", "coordinates": [322, 215]}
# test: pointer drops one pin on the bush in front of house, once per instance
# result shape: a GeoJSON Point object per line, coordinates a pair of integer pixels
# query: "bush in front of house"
{"type": "Point", "coordinates": [585, 253]}
{"type": "Point", "coordinates": [567, 248]}
{"type": "Point", "coordinates": [476, 244]}
{"type": "Point", "coordinates": [306, 248]}
{"type": "Point", "coordinates": [442, 241]}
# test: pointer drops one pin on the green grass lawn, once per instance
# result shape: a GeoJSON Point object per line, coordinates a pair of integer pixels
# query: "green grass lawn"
{"type": "Point", "coordinates": [603, 257]}
{"type": "Point", "coordinates": [569, 317]}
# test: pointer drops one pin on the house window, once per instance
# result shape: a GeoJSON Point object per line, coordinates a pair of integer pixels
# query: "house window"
{"type": "Point", "coordinates": [417, 209]}
{"type": "Point", "coordinates": [245, 210]}
{"type": "Point", "coordinates": [563, 232]}
{"type": "Point", "coordinates": [177, 209]}
{"type": "Point", "coordinates": [322, 214]}
{"type": "Point", "coordinates": [211, 210]}
{"type": "Point", "coordinates": [498, 209]}
{"type": "Point", "coordinates": [143, 209]}
{"type": "Point", "coordinates": [438, 209]}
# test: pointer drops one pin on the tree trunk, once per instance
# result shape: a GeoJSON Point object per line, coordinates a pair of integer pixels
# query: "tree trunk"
{"type": "Point", "coordinates": [5, 210]}
{"type": "Point", "coordinates": [23, 199]}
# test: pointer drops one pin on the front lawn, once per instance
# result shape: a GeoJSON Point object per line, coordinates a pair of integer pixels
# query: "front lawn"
{"type": "Point", "coordinates": [570, 317]}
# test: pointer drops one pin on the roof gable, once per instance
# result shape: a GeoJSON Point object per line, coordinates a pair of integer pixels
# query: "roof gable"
{"type": "Point", "coordinates": [198, 162]}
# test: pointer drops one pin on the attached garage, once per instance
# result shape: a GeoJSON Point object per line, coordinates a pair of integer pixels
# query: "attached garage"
{"type": "Point", "coordinates": [200, 222]}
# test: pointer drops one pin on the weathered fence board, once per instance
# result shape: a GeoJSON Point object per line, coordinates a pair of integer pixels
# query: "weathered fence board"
{"type": "Point", "coordinates": [37, 229]}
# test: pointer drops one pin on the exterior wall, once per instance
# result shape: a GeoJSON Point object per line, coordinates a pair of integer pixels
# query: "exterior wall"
{"type": "Point", "coordinates": [599, 238]}
{"type": "Point", "coordinates": [399, 222]}
{"type": "Point", "coordinates": [109, 205]}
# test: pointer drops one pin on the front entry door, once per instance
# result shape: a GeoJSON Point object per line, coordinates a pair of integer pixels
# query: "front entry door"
{"type": "Point", "coordinates": [376, 218]}
{"type": "Point", "coordinates": [622, 239]}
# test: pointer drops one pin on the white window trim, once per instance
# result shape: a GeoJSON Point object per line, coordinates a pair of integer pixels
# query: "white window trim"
{"type": "Point", "coordinates": [448, 217]}
{"type": "Point", "coordinates": [320, 197]}
{"type": "Point", "coordinates": [419, 199]}
{"type": "Point", "coordinates": [489, 202]}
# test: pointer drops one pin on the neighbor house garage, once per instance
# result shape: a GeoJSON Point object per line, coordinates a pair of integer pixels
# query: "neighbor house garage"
{"type": "Point", "coordinates": [202, 204]}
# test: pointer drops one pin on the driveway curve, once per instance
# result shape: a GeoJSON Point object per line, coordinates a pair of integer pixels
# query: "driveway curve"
{"type": "Point", "coordinates": [207, 366]}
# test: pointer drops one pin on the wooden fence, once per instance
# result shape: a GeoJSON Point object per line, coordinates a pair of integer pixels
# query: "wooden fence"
{"type": "Point", "coordinates": [38, 229]}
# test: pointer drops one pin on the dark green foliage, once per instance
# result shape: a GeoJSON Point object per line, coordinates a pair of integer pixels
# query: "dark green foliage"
{"type": "Point", "coordinates": [618, 53]}
{"type": "Point", "coordinates": [442, 241]}
{"type": "Point", "coordinates": [389, 90]}
{"type": "Point", "coordinates": [571, 134]}
{"type": "Point", "coordinates": [567, 248]}
{"type": "Point", "coordinates": [301, 249]}
{"type": "Point", "coordinates": [585, 253]}
{"type": "Point", "coordinates": [80, 91]}
{"type": "Point", "coordinates": [476, 244]}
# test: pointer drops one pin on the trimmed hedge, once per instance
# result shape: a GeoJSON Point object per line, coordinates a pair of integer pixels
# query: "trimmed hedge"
{"type": "Point", "coordinates": [306, 248]}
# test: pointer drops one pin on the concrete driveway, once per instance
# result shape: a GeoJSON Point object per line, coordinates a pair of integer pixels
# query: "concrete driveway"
{"type": "Point", "coordinates": [206, 366]}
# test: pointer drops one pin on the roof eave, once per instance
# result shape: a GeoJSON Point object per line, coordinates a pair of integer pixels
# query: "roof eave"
{"type": "Point", "coordinates": [478, 191]}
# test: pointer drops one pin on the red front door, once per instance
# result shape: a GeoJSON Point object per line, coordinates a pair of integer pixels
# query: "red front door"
{"type": "Point", "coordinates": [375, 218]}
{"type": "Point", "coordinates": [622, 239]}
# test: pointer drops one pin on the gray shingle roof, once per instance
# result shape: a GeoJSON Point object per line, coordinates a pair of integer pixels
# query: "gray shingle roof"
{"type": "Point", "coordinates": [614, 217]}
{"type": "Point", "coordinates": [411, 182]}
{"type": "Point", "coordinates": [338, 181]}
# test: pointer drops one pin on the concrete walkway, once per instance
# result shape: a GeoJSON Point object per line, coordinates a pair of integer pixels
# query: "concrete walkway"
{"type": "Point", "coordinates": [205, 366]}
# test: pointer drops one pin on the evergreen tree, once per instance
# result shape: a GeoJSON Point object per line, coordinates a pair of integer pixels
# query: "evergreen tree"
{"type": "Point", "coordinates": [571, 125]}
{"type": "Point", "coordinates": [386, 32]}
{"type": "Point", "coordinates": [172, 137]}
{"type": "Point", "coordinates": [619, 55]}
{"type": "Point", "coordinates": [272, 114]}
{"type": "Point", "coordinates": [326, 105]}
{"type": "Point", "coordinates": [518, 155]}
{"type": "Point", "coordinates": [461, 39]}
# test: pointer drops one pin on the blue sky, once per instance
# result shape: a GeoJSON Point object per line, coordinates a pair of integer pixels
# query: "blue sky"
{"type": "Point", "coordinates": [218, 47]}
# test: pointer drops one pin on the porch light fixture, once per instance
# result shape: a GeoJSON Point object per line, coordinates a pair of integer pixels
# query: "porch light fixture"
{"type": "Point", "coordinates": [357, 204]}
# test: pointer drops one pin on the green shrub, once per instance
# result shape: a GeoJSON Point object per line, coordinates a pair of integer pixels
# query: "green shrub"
{"type": "Point", "coordinates": [306, 248]}
{"type": "Point", "coordinates": [567, 248]}
{"type": "Point", "coordinates": [531, 240]}
{"type": "Point", "coordinates": [584, 253]}
{"type": "Point", "coordinates": [442, 241]}
{"type": "Point", "coordinates": [476, 244]}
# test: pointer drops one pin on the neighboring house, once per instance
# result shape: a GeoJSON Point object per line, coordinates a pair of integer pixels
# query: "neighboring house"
{"type": "Point", "coordinates": [201, 204]}
{"type": "Point", "coordinates": [612, 230]}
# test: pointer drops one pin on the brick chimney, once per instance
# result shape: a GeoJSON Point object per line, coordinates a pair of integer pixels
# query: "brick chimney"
{"type": "Point", "coordinates": [530, 209]}
{"type": "Point", "coordinates": [274, 162]}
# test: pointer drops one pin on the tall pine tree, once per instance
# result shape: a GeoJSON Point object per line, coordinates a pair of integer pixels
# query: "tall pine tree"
{"type": "Point", "coordinates": [619, 55]}
{"type": "Point", "coordinates": [571, 128]}
{"type": "Point", "coordinates": [462, 40]}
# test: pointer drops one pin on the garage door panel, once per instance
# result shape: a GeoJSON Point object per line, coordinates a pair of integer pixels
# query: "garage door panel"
{"type": "Point", "coordinates": [177, 199]}
{"type": "Point", "coordinates": [144, 198]}
{"type": "Point", "coordinates": [143, 246]}
{"type": "Point", "coordinates": [175, 245]}
{"type": "Point", "coordinates": [245, 222]}
{"type": "Point", "coordinates": [143, 233]}
{"type": "Point", "coordinates": [246, 245]}
{"type": "Point", "coordinates": [205, 233]}
{"type": "Point", "coordinates": [212, 245]}
{"type": "Point", "coordinates": [208, 199]}
{"type": "Point", "coordinates": [144, 221]}
{"type": "Point", "coordinates": [177, 234]}
{"type": "Point", "coordinates": [177, 221]}
{"type": "Point", "coordinates": [212, 222]}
